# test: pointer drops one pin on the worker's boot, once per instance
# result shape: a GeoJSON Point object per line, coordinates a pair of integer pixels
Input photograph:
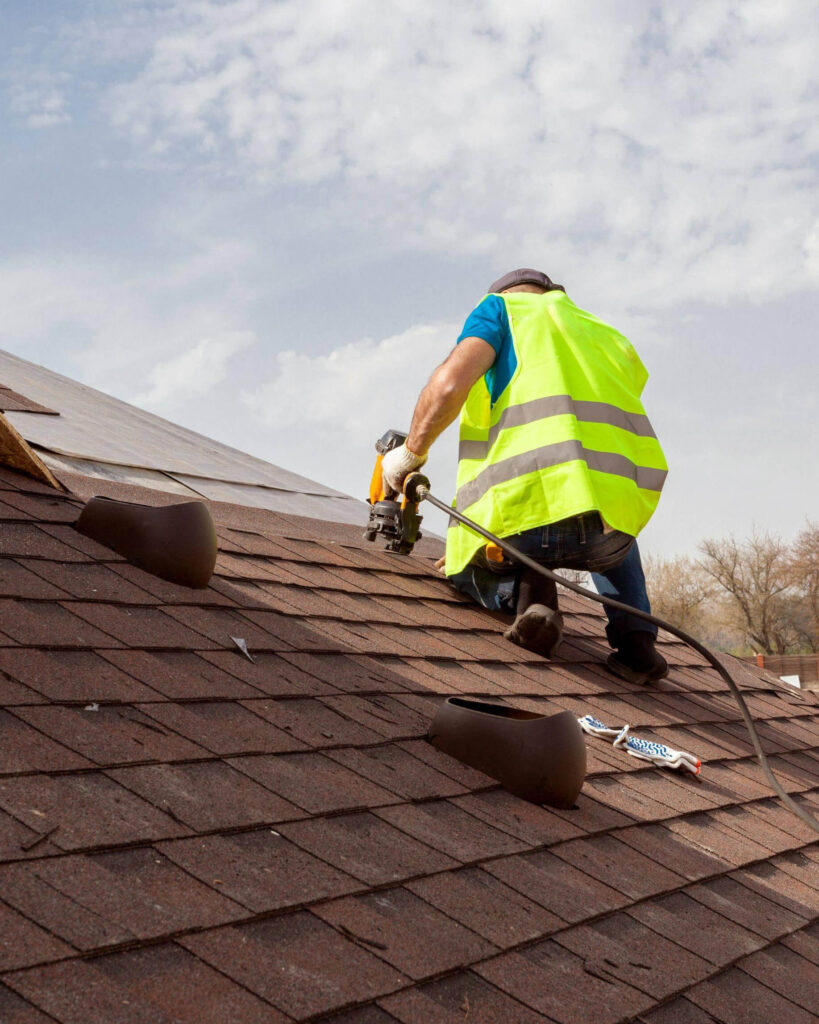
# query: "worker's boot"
{"type": "Point", "coordinates": [539, 625]}
{"type": "Point", "coordinates": [637, 659]}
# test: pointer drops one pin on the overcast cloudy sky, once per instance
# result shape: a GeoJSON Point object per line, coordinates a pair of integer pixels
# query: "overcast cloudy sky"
{"type": "Point", "coordinates": [268, 220]}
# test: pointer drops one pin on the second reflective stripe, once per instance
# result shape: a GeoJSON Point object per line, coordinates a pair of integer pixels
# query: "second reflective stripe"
{"type": "Point", "coordinates": [553, 455]}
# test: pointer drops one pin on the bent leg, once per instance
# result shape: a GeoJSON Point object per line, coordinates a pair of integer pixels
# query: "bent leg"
{"type": "Point", "coordinates": [626, 583]}
{"type": "Point", "coordinates": [493, 591]}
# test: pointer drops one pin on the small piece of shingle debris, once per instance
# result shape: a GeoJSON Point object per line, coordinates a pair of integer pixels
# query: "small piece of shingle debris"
{"type": "Point", "coordinates": [241, 643]}
{"type": "Point", "coordinates": [92, 707]}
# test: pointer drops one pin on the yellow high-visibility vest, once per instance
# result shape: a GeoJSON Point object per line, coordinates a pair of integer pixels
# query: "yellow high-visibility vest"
{"type": "Point", "coordinates": [568, 434]}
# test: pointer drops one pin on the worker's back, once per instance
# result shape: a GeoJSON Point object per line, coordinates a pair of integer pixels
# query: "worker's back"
{"type": "Point", "coordinates": [567, 435]}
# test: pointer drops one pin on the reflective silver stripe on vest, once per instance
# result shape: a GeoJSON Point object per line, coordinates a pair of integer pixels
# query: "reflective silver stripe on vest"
{"type": "Point", "coordinates": [553, 455]}
{"type": "Point", "coordinates": [557, 405]}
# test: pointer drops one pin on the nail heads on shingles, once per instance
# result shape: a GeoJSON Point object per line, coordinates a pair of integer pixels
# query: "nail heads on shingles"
{"type": "Point", "coordinates": [174, 542]}
{"type": "Point", "coordinates": [537, 757]}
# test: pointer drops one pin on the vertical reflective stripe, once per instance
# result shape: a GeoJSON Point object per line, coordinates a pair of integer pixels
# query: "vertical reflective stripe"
{"type": "Point", "coordinates": [645, 477]}
{"type": "Point", "coordinates": [557, 405]}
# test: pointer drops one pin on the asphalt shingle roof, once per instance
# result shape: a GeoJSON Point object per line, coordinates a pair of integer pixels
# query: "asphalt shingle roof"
{"type": "Point", "coordinates": [189, 836]}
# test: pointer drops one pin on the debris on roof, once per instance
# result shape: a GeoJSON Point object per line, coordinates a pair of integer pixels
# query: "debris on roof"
{"type": "Point", "coordinates": [188, 834]}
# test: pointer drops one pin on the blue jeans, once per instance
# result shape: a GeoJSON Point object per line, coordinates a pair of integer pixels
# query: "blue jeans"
{"type": "Point", "coordinates": [613, 559]}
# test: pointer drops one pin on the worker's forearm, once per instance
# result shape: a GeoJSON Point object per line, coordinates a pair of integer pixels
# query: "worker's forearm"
{"type": "Point", "coordinates": [438, 405]}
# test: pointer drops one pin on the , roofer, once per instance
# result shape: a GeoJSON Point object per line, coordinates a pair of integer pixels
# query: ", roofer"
{"type": "Point", "coordinates": [556, 455]}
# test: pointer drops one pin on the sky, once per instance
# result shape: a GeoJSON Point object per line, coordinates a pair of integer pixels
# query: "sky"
{"type": "Point", "coordinates": [267, 221]}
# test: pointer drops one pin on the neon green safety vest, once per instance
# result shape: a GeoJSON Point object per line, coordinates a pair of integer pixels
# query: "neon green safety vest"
{"type": "Point", "coordinates": [568, 434]}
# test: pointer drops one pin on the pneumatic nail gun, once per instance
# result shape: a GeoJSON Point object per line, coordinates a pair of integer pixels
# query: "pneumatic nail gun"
{"type": "Point", "coordinates": [396, 520]}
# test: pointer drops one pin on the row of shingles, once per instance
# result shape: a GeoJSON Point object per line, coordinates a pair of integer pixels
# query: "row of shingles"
{"type": "Point", "coordinates": [94, 883]}
{"type": "Point", "coordinates": [71, 865]}
{"type": "Point", "coordinates": [648, 964]}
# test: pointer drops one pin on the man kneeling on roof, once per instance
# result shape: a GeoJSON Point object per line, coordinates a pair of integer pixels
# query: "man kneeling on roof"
{"type": "Point", "coordinates": [556, 455]}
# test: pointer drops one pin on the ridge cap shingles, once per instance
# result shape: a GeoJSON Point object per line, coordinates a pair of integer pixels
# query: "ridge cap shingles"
{"type": "Point", "coordinates": [317, 749]}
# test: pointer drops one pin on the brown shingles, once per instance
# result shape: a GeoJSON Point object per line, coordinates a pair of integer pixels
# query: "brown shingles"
{"type": "Point", "coordinates": [298, 963]}
{"type": "Point", "coordinates": [453, 831]}
{"type": "Point", "coordinates": [178, 675]}
{"type": "Point", "coordinates": [805, 942]}
{"type": "Point", "coordinates": [483, 903]}
{"type": "Point", "coordinates": [86, 809]}
{"type": "Point", "coordinates": [46, 624]}
{"type": "Point", "coordinates": [27, 540]}
{"type": "Point", "coordinates": [18, 841]}
{"type": "Point", "coordinates": [460, 998]}
{"type": "Point", "coordinates": [286, 633]}
{"type": "Point", "coordinates": [532, 824]}
{"type": "Point", "coordinates": [110, 735]}
{"type": "Point", "coordinates": [25, 749]}
{"type": "Point", "coordinates": [317, 783]}
{"type": "Point", "coordinates": [23, 942]}
{"type": "Point", "coordinates": [696, 928]}
{"type": "Point", "coordinates": [312, 722]}
{"type": "Point", "coordinates": [16, 1010]}
{"type": "Point", "coordinates": [259, 869]}
{"type": "Point", "coordinates": [591, 816]}
{"type": "Point", "coordinates": [659, 844]}
{"type": "Point", "coordinates": [366, 847]}
{"type": "Point", "coordinates": [787, 974]}
{"type": "Point", "coordinates": [556, 885]}
{"type": "Point", "coordinates": [394, 768]}
{"type": "Point", "coordinates": [207, 795]}
{"type": "Point", "coordinates": [140, 627]}
{"type": "Point", "coordinates": [556, 982]}
{"type": "Point", "coordinates": [398, 926]}
{"type": "Point", "coordinates": [110, 989]}
{"type": "Point", "coordinates": [18, 580]}
{"type": "Point", "coordinates": [469, 777]}
{"type": "Point", "coordinates": [277, 675]}
{"type": "Point", "coordinates": [91, 582]}
{"type": "Point", "coordinates": [712, 835]}
{"type": "Point", "coordinates": [92, 901]}
{"type": "Point", "coordinates": [746, 907]}
{"type": "Point", "coordinates": [81, 676]}
{"type": "Point", "coordinates": [619, 866]}
{"type": "Point", "coordinates": [621, 949]}
{"type": "Point", "coordinates": [222, 727]}
{"type": "Point", "coordinates": [180, 985]}
{"type": "Point", "coordinates": [736, 996]}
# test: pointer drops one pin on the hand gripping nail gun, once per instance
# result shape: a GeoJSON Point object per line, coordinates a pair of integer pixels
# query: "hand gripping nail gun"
{"type": "Point", "coordinates": [398, 521]}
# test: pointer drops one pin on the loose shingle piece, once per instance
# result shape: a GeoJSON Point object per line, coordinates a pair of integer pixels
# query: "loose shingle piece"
{"type": "Point", "coordinates": [190, 835]}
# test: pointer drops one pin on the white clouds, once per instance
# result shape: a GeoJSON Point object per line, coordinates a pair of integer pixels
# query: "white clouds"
{"type": "Point", "coordinates": [670, 141]}
{"type": "Point", "coordinates": [37, 98]}
{"type": "Point", "coordinates": [332, 408]}
{"type": "Point", "coordinates": [193, 372]}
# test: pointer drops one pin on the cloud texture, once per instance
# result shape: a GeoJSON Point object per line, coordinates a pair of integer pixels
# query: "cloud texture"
{"type": "Point", "coordinates": [668, 142]}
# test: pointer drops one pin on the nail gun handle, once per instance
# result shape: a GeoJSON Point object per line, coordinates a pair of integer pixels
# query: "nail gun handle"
{"type": "Point", "coordinates": [416, 487]}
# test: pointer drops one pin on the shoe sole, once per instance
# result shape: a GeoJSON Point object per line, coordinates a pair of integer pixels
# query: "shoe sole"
{"type": "Point", "coordinates": [631, 675]}
{"type": "Point", "coordinates": [539, 629]}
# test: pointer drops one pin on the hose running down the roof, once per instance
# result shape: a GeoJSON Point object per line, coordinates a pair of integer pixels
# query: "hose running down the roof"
{"type": "Point", "coordinates": [420, 492]}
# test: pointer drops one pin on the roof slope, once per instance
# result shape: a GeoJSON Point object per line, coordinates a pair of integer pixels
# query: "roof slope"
{"type": "Point", "coordinates": [77, 429]}
{"type": "Point", "coordinates": [189, 836]}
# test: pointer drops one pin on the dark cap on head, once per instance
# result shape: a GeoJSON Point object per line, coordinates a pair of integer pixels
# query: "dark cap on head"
{"type": "Point", "coordinates": [525, 276]}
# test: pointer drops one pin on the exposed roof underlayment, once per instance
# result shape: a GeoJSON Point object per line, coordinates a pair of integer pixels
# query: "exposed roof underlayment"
{"type": "Point", "coordinates": [100, 436]}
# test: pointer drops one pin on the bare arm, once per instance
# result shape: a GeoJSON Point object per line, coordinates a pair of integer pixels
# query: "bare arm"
{"type": "Point", "coordinates": [442, 398]}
